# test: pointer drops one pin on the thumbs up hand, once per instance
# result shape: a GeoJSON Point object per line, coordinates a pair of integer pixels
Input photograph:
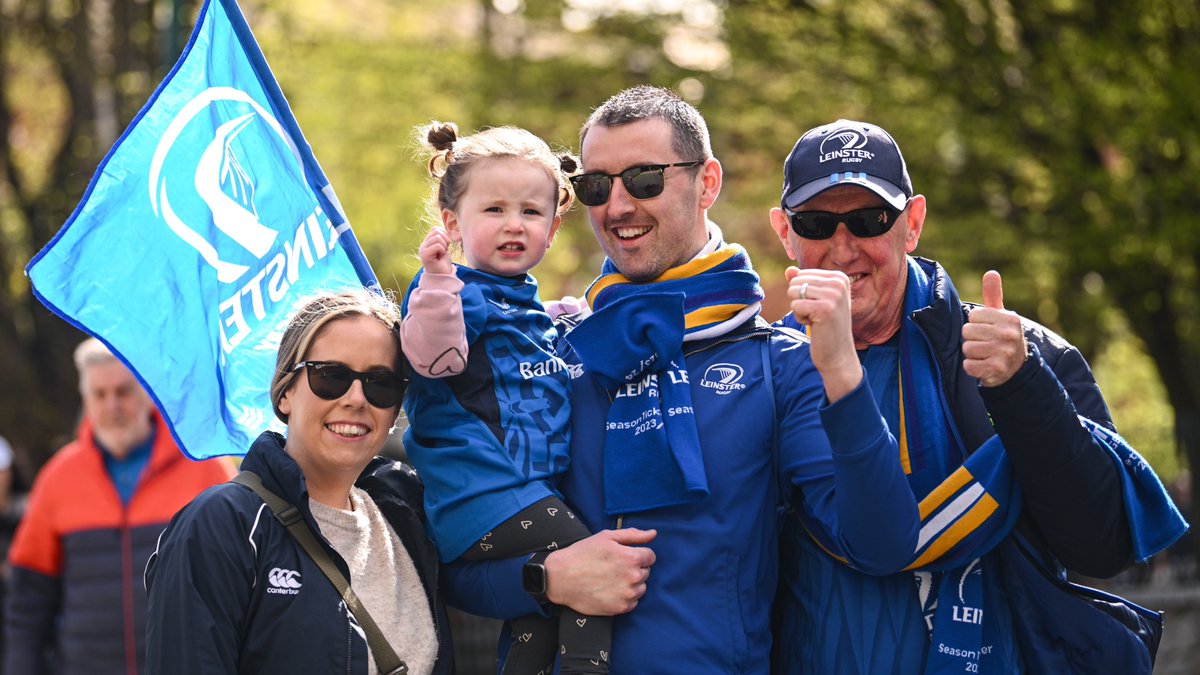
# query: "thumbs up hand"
{"type": "Point", "coordinates": [993, 341]}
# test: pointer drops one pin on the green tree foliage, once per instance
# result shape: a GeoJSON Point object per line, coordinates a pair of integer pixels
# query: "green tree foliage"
{"type": "Point", "coordinates": [72, 74]}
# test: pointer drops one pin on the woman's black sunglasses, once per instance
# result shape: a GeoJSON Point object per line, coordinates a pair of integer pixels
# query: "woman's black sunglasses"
{"type": "Point", "coordinates": [861, 223]}
{"type": "Point", "coordinates": [330, 381]}
{"type": "Point", "coordinates": [641, 182]}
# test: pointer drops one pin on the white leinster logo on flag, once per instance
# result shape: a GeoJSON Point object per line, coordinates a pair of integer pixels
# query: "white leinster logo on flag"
{"type": "Point", "coordinates": [205, 225]}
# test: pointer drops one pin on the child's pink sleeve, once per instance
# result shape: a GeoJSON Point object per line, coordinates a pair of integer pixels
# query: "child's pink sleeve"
{"type": "Point", "coordinates": [433, 334]}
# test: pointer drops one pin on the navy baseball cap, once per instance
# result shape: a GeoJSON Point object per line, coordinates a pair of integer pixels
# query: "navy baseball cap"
{"type": "Point", "coordinates": [845, 153]}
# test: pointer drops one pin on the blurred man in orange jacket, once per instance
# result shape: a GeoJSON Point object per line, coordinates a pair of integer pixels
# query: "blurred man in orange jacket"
{"type": "Point", "coordinates": [76, 593]}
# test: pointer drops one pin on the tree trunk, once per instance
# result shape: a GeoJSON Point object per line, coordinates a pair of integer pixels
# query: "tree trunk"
{"type": "Point", "coordinates": [1187, 430]}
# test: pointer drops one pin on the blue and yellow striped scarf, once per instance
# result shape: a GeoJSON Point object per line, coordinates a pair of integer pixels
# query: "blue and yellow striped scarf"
{"type": "Point", "coordinates": [632, 344]}
{"type": "Point", "coordinates": [720, 290]}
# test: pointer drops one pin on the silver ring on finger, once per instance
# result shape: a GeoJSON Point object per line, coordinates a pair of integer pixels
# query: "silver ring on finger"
{"type": "Point", "coordinates": [803, 293]}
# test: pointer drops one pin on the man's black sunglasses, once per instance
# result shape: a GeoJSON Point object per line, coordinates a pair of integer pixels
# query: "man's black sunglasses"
{"type": "Point", "coordinates": [331, 381]}
{"type": "Point", "coordinates": [641, 182]}
{"type": "Point", "coordinates": [870, 222]}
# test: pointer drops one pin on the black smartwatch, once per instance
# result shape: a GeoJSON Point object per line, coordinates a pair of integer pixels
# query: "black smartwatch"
{"type": "Point", "coordinates": [533, 576]}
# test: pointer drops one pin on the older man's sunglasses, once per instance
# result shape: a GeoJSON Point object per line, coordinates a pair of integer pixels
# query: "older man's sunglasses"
{"type": "Point", "coordinates": [330, 381]}
{"type": "Point", "coordinates": [864, 223]}
{"type": "Point", "coordinates": [641, 182]}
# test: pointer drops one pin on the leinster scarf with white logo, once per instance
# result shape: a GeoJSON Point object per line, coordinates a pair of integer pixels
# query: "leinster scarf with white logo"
{"type": "Point", "coordinates": [965, 510]}
{"type": "Point", "coordinates": [633, 344]}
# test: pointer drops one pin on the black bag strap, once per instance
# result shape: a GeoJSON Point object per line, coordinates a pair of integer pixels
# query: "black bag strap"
{"type": "Point", "coordinates": [291, 518]}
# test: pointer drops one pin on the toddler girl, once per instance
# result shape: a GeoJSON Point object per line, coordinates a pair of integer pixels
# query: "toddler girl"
{"type": "Point", "coordinates": [488, 405]}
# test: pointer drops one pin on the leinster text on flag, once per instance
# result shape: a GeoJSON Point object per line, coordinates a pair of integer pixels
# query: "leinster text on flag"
{"type": "Point", "coordinates": [204, 227]}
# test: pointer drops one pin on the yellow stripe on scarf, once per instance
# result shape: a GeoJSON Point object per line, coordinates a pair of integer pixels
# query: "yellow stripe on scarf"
{"type": "Point", "coordinates": [707, 315]}
{"type": "Point", "coordinates": [934, 500]}
{"type": "Point", "coordinates": [702, 264]}
{"type": "Point", "coordinates": [965, 525]}
{"type": "Point", "coordinates": [603, 283]}
{"type": "Point", "coordinates": [690, 269]}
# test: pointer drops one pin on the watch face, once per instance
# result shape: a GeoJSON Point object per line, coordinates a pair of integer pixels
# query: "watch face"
{"type": "Point", "coordinates": [533, 577]}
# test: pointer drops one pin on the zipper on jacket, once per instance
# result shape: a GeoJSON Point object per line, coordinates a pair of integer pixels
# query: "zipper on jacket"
{"type": "Point", "coordinates": [127, 612]}
{"type": "Point", "coordinates": [437, 625]}
{"type": "Point", "coordinates": [149, 472]}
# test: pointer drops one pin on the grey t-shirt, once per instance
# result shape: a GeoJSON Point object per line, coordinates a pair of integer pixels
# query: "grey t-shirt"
{"type": "Point", "coordinates": [384, 578]}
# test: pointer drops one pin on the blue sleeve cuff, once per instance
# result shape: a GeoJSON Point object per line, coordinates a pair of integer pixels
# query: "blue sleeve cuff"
{"type": "Point", "coordinates": [492, 589]}
{"type": "Point", "coordinates": [1033, 392]}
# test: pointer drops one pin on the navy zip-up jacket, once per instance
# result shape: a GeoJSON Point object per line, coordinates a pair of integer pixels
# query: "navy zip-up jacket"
{"type": "Point", "coordinates": [219, 601]}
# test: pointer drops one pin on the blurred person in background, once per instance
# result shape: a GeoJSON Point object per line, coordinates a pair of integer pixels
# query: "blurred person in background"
{"type": "Point", "coordinates": [76, 602]}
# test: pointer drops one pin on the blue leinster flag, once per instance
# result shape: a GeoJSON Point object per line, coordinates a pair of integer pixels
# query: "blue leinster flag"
{"type": "Point", "coordinates": [203, 228]}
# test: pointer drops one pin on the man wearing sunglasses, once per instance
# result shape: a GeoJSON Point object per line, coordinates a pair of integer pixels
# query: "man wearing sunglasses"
{"type": "Point", "coordinates": [971, 392]}
{"type": "Point", "coordinates": [680, 397]}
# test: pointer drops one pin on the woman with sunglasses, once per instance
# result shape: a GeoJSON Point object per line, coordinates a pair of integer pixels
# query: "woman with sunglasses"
{"type": "Point", "coordinates": [488, 409]}
{"type": "Point", "coordinates": [231, 590]}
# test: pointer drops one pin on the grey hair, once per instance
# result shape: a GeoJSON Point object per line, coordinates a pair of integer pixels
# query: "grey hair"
{"type": "Point", "coordinates": [92, 352]}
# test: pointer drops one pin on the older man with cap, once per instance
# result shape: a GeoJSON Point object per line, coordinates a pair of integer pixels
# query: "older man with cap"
{"type": "Point", "coordinates": [1003, 433]}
